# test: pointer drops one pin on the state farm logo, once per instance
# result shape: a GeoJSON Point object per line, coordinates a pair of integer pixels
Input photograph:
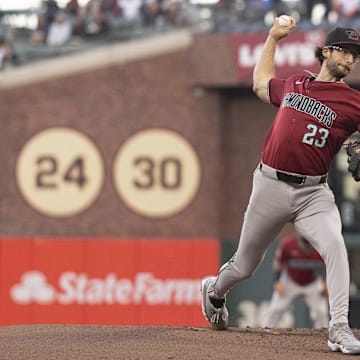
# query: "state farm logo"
{"type": "Point", "coordinates": [73, 288]}
{"type": "Point", "coordinates": [33, 287]}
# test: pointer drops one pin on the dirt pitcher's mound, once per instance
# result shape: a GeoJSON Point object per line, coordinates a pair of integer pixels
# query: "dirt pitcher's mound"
{"type": "Point", "coordinates": [67, 342]}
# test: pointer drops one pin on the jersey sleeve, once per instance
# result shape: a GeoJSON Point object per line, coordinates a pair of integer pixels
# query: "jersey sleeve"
{"type": "Point", "coordinates": [276, 90]}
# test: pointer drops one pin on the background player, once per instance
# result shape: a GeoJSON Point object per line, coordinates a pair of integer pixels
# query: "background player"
{"type": "Point", "coordinates": [298, 270]}
{"type": "Point", "coordinates": [316, 114]}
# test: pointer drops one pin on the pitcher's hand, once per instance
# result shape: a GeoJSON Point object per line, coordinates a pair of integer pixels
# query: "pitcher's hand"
{"type": "Point", "coordinates": [279, 288]}
{"type": "Point", "coordinates": [279, 32]}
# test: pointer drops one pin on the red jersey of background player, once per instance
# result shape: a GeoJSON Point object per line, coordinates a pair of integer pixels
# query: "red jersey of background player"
{"type": "Point", "coordinates": [291, 256]}
{"type": "Point", "coordinates": [312, 123]}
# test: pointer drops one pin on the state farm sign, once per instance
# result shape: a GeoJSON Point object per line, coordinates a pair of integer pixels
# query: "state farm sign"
{"type": "Point", "coordinates": [293, 54]}
{"type": "Point", "coordinates": [73, 288]}
{"type": "Point", "coordinates": [104, 281]}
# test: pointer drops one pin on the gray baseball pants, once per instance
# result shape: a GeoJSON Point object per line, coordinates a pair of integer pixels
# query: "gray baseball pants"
{"type": "Point", "coordinates": [311, 208]}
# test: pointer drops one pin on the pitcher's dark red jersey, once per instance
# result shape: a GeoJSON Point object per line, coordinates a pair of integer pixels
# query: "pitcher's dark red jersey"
{"type": "Point", "coordinates": [313, 121]}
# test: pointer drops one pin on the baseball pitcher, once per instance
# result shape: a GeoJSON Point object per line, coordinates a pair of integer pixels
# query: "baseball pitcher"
{"type": "Point", "coordinates": [316, 114]}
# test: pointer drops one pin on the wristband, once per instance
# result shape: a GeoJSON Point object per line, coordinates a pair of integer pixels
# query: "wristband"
{"type": "Point", "coordinates": [277, 275]}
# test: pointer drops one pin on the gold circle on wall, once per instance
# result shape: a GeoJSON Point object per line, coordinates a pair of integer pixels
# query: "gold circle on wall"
{"type": "Point", "coordinates": [157, 173]}
{"type": "Point", "coordinates": [60, 172]}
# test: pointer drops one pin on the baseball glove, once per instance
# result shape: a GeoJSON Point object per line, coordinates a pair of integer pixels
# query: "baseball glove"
{"type": "Point", "coordinates": [353, 152]}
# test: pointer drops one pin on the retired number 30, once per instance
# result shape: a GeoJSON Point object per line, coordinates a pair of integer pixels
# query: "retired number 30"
{"type": "Point", "coordinates": [167, 172]}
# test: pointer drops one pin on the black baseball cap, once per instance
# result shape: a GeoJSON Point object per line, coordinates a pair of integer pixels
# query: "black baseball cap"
{"type": "Point", "coordinates": [343, 36]}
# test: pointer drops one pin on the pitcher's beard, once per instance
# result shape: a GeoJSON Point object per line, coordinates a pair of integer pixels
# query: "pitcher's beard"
{"type": "Point", "coordinates": [339, 71]}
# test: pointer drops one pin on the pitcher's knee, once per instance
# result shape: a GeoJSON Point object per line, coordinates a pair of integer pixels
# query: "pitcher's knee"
{"type": "Point", "coordinates": [239, 273]}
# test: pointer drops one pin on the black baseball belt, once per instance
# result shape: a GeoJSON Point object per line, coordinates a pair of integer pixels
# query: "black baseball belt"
{"type": "Point", "coordinates": [294, 179]}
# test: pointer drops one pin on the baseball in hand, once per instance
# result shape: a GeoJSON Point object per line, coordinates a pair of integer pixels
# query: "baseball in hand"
{"type": "Point", "coordinates": [284, 20]}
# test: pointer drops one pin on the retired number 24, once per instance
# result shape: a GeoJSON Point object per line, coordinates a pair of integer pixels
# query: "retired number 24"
{"type": "Point", "coordinates": [48, 172]}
